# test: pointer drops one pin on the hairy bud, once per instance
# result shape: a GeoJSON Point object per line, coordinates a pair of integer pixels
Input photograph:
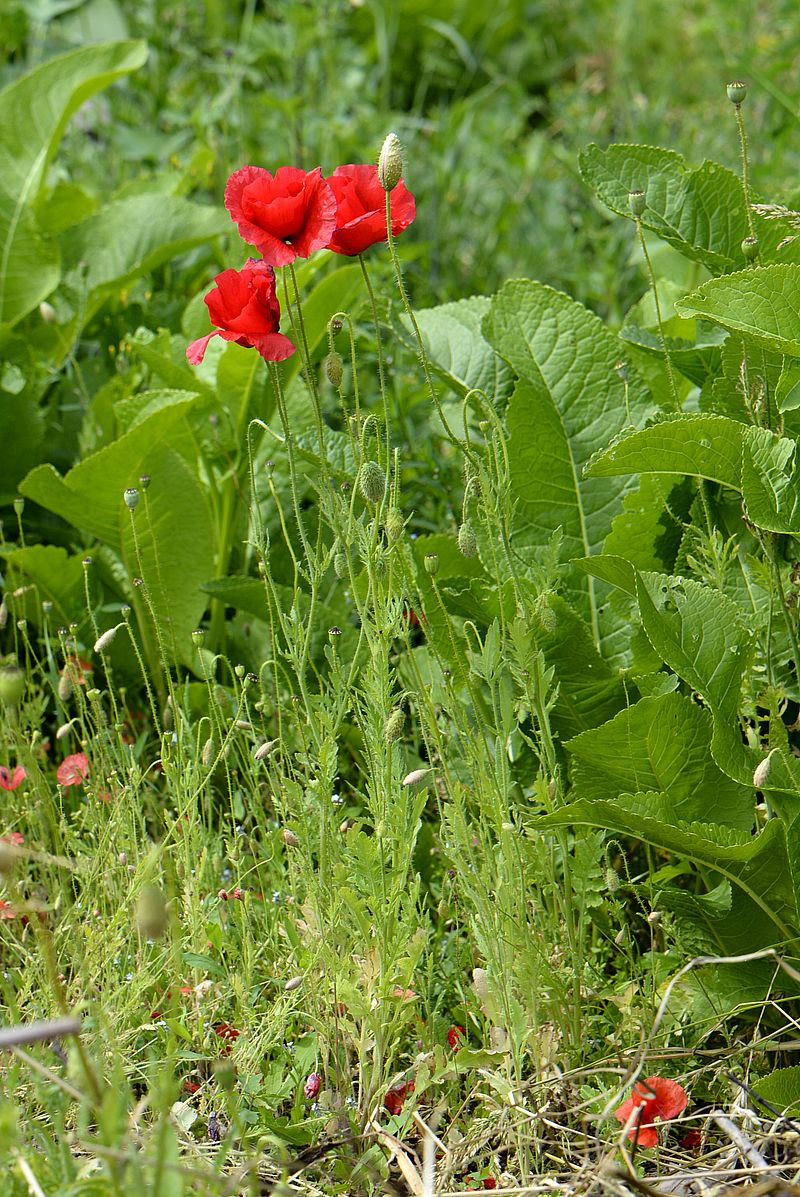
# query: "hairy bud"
{"type": "Point", "coordinates": [393, 727]}
{"type": "Point", "coordinates": [372, 481]}
{"type": "Point", "coordinates": [467, 539]}
{"type": "Point", "coordinates": [334, 368]}
{"type": "Point", "coordinates": [390, 163]}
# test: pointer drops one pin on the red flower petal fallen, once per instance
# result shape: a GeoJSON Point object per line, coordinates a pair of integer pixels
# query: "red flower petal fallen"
{"type": "Point", "coordinates": [361, 209]}
{"type": "Point", "coordinates": [9, 780]}
{"type": "Point", "coordinates": [245, 308]}
{"type": "Point", "coordinates": [286, 215]}
{"type": "Point", "coordinates": [7, 911]}
{"type": "Point", "coordinates": [15, 838]}
{"type": "Point", "coordinates": [73, 769]}
{"type": "Point", "coordinates": [657, 1098]}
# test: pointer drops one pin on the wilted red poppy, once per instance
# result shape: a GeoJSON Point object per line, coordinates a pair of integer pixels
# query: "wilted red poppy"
{"type": "Point", "coordinates": [286, 215]}
{"type": "Point", "coordinates": [245, 309]}
{"type": "Point", "coordinates": [692, 1140]}
{"type": "Point", "coordinates": [312, 1085]}
{"type": "Point", "coordinates": [361, 209]}
{"type": "Point", "coordinates": [9, 780]}
{"type": "Point", "coordinates": [455, 1036]}
{"type": "Point", "coordinates": [7, 911]}
{"type": "Point", "coordinates": [658, 1099]}
{"type": "Point", "coordinates": [73, 769]}
{"type": "Point", "coordinates": [396, 1096]}
{"type": "Point", "coordinates": [226, 1031]}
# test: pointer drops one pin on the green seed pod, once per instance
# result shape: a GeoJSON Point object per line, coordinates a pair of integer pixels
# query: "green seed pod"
{"type": "Point", "coordinates": [131, 497]}
{"type": "Point", "coordinates": [19, 506]}
{"type": "Point", "coordinates": [390, 163]}
{"type": "Point", "coordinates": [737, 92]}
{"type": "Point", "coordinates": [334, 367]}
{"type": "Point", "coordinates": [394, 524]}
{"type": "Point", "coordinates": [393, 727]}
{"type": "Point", "coordinates": [637, 202]}
{"type": "Point", "coordinates": [750, 248]}
{"type": "Point", "coordinates": [12, 685]}
{"type": "Point", "coordinates": [151, 916]}
{"type": "Point", "coordinates": [432, 564]}
{"type": "Point", "coordinates": [467, 540]}
{"type": "Point", "coordinates": [335, 325]}
{"type": "Point", "coordinates": [198, 636]}
{"type": "Point", "coordinates": [372, 481]}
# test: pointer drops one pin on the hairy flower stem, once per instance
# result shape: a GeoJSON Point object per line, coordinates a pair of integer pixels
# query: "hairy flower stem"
{"type": "Point", "coordinates": [737, 108]}
{"type": "Point", "coordinates": [311, 382]}
{"type": "Point", "coordinates": [379, 346]}
{"type": "Point", "coordinates": [661, 334]}
{"type": "Point", "coordinates": [423, 357]}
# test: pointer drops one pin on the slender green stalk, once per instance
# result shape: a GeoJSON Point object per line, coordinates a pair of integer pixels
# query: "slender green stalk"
{"type": "Point", "coordinates": [379, 349]}
{"type": "Point", "coordinates": [661, 334]}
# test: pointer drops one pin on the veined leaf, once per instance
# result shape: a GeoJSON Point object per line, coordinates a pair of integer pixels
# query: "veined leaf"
{"type": "Point", "coordinates": [453, 338]}
{"type": "Point", "coordinates": [701, 446]}
{"type": "Point", "coordinates": [763, 301]}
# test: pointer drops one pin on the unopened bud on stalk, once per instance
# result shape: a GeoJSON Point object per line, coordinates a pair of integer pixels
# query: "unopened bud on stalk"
{"type": "Point", "coordinates": [394, 524]}
{"type": "Point", "coordinates": [393, 727]}
{"type": "Point", "coordinates": [12, 685]}
{"type": "Point", "coordinates": [750, 248]}
{"type": "Point", "coordinates": [102, 642]}
{"type": "Point", "coordinates": [415, 777]}
{"type": "Point", "coordinates": [390, 163]}
{"type": "Point", "coordinates": [264, 750]}
{"type": "Point", "coordinates": [209, 752]}
{"type": "Point", "coordinates": [737, 92]}
{"type": "Point", "coordinates": [3, 613]}
{"type": "Point", "coordinates": [467, 539]}
{"type": "Point", "coordinates": [372, 481]}
{"type": "Point", "coordinates": [151, 915]}
{"type": "Point", "coordinates": [334, 368]}
{"type": "Point", "coordinates": [47, 312]}
{"type": "Point", "coordinates": [637, 202]}
{"type": "Point", "coordinates": [290, 838]}
{"type": "Point", "coordinates": [762, 770]}
{"type": "Point", "coordinates": [65, 686]}
{"type": "Point", "coordinates": [293, 983]}
{"type": "Point", "coordinates": [480, 979]}
{"type": "Point", "coordinates": [340, 564]}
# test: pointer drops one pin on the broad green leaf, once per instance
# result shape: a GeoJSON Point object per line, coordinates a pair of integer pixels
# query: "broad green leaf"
{"type": "Point", "coordinates": [763, 302]}
{"type": "Point", "coordinates": [134, 235]}
{"type": "Point", "coordinates": [58, 578]}
{"type": "Point", "coordinates": [21, 426]}
{"type": "Point", "coordinates": [770, 481]}
{"type": "Point", "coordinates": [701, 446]}
{"type": "Point", "coordinates": [454, 341]}
{"type": "Point", "coordinates": [133, 410]}
{"type": "Point", "coordinates": [35, 109]}
{"type": "Point", "coordinates": [698, 360]}
{"type": "Point", "coordinates": [758, 865]}
{"type": "Point", "coordinates": [90, 496]}
{"type": "Point", "coordinates": [661, 744]}
{"type": "Point", "coordinates": [590, 691]}
{"type": "Point", "coordinates": [33, 113]}
{"type": "Point", "coordinates": [700, 211]}
{"type": "Point", "coordinates": [781, 1088]}
{"type": "Point", "coordinates": [570, 403]}
{"type": "Point", "coordinates": [649, 528]}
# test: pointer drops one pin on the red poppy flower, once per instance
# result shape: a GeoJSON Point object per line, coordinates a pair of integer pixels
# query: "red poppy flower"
{"type": "Point", "coordinates": [226, 1031]}
{"type": "Point", "coordinates": [396, 1096]}
{"type": "Point", "coordinates": [15, 838]}
{"type": "Point", "coordinates": [73, 769]}
{"type": "Point", "coordinates": [361, 209]}
{"type": "Point", "coordinates": [191, 1086]}
{"type": "Point", "coordinates": [657, 1098]}
{"type": "Point", "coordinates": [405, 995]}
{"type": "Point", "coordinates": [312, 1085]}
{"type": "Point", "coordinates": [286, 215]}
{"type": "Point", "coordinates": [9, 780]}
{"type": "Point", "coordinates": [7, 911]}
{"type": "Point", "coordinates": [692, 1140]}
{"type": "Point", "coordinates": [245, 309]}
{"type": "Point", "coordinates": [455, 1036]}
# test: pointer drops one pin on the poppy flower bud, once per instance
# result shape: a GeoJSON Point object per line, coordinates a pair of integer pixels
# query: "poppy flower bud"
{"type": "Point", "coordinates": [151, 915]}
{"type": "Point", "coordinates": [335, 325]}
{"type": "Point", "coordinates": [12, 685]}
{"type": "Point", "coordinates": [390, 163]}
{"type": "Point", "coordinates": [334, 368]}
{"type": "Point", "coordinates": [264, 750]}
{"type": "Point", "coordinates": [415, 777]}
{"type": "Point", "coordinates": [762, 771]}
{"type": "Point", "coordinates": [393, 727]}
{"type": "Point", "coordinates": [102, 642]}
{"type": "Point", "coordinates": [737, 92]}
{"type": "Point", "coordinates": [372, 481]}
{"type": "Point", "coordinates": [340, 565]}
{"type": "Point", "coordinates": [394, 524]}
{"type": "Point", "coordinates": [467, 540]}
{"type": "Point", "coordinates": [621, 368]}
{"type": "Point", "coordinates": [750, 248]}
{"type": "Point", "coordinates": [432, 564]}
{"type": "Point", "coordinates": [47, 312]}
{"type": "Point", "coordinates": [293, 983]}
{"type": "Point", "coordinates": [65, 686]}
{"type": "Point", "coordinates": [637, 202]}
{"type": "Point", "coordinates": [131, 497]}
{"type": "Point", "coordinates": [290, 838]}
{"type": "Point", "coordinates": [209, 752]}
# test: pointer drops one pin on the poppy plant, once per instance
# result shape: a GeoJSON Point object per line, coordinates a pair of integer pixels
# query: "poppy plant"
{"type": "Point", "coordinates": [73, 770]}
{"type": "Point", "coordinates": [455, 1036]}
{"type": "Point", "coordinates": [658, 1099]}
{"type": "Point", "coordinates": [287, 215]}
{"type": "Point", "coordinates": [361, 209]}
{"type": "Point", "coordinates": [245, 308]}
{"type": "Point", "coordinates": [10, 780]}
{"type": "Point", "coordinates": [395, 1097]}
